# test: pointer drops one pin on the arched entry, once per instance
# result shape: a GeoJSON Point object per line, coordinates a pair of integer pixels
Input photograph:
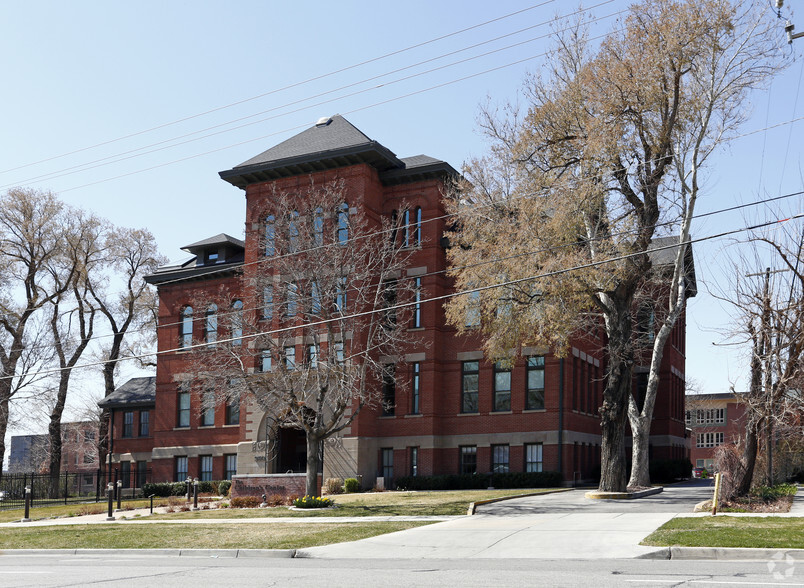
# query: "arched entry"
{"type": "Point", "coordinates": [291, 451]}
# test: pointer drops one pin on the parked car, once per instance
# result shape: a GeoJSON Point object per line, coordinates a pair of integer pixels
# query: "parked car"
{"type": "Point", "coordinates": [700, 473]}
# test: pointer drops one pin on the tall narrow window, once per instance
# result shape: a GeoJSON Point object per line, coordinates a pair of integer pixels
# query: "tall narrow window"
{"type": "Point", "coordinates": [343, 224]}
{"type": "Point", "coordinates": [534, 397]}
{"type": "Point", "coordinates": [181, 468]}
{"type": "Point", "coordinates": [292, 292]}
{"type": "Point", "coordinates": [417, 299]}
{"type": "Point", "coordinates": [229, 465]}
{"type": "Point", "coordinates": [389, 293]}
{"type": "Point", "coordinates": [233, 411]}
{"type": "Point", "coordinates": [290, 358]}
{"type": "Point", "coordinates": [406, 229]}
{"type": "Point", "coordinates": [414, 461]}
{"type": "Point", "coordinates": [265, 361]}
{"type": "Point", "coordinates": [183, 408]}
{"type": "Point", "coordinates": [268, 302]}
{"type": "Point", "coordinates": [415, 387]}
{"type": "Point", "coordinates": [318, 227]}
{"type": "Point", "coordinates": [205, 469]}
{"type": "Point", "coordinates": [270, 236]}
{"type": "Point", "coordinates": [142, 473]}
{"type": "Point", "coordinates": [312, 356]}
{"type": "Point", "coordinates": [211, 324]}
{"type": "Point", "coordinates": [186, 327]}
{"type": "Point", "coordinates": [237, 322]}
{"type": "Point", "coordinates": [388, 466]}
{"type": "Point", "coordinates": [128, 423]}
{"type": "Point", "coordinates": [502, 387]}
{"type": "Point", "coordinates": [388, 391]}
{"type": "Point", "coordinates": [417, 226]}
{"type": "Point", "coordinates": [340, 295]}
{"type": "Point", "coordinates": [315, 297]}
{"type": "Point", "coordinates": [338, 348]}
{"type": "Point", "coordinates": [472, 318]}
{"type": "Point", "coordinates": [208, 409]}
{"type": "Point", "coordinates": [499, 459]}
{"type": "Point", "coordinates": [469, 386]}
{"type": "Point", "coordinates": [293, 231]}
{"type": "Point", "coordinates": [145, 423]}
{"type": "Point", "coordinates": [468, 459]}
{"type": "Point", "coordinates": [533, 457]}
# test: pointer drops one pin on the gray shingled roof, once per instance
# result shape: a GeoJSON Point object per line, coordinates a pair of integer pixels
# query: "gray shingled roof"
{"type": "Point", "coordinates": [135, 392]}
{"type": "Point", "coordinates": [336, 135]}
{"type": "Point", "coordinates": [331, 144]}
{"type": "Point", "coordinates": [219, 239]}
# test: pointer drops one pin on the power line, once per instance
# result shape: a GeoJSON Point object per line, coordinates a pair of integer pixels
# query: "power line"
{"type": "Point", "coordinates": [413, 303]}
{"type": "Point", "coordinates": [171, 143]}
{"type": "Point", "coordinates": [290, 86]}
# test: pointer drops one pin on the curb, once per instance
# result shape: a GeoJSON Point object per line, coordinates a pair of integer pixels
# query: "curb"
{"type": "Point", "coordinates": [595, 495]}
{"type": "Point", "coordinates": [724, 553]}
{"type": "Point", "coordinates": [473, 505]}
{"type": "Point", "coordinates": [208, 553]}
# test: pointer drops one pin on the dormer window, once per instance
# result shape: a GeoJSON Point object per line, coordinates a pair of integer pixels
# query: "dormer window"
{"type": "Point", "coordinates": [211, 257]}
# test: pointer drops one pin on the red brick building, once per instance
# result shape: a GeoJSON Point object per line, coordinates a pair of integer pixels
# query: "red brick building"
{"type": "Point", "coordinates": [454, 410]}
{"type": "Point", "coordinates": [715, 420]}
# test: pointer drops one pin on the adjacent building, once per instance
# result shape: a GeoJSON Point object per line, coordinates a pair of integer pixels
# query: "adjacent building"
{"type": "Point", "coordinates": [714, 420]}
{"type": "Point", "coordinates": [453, 411]}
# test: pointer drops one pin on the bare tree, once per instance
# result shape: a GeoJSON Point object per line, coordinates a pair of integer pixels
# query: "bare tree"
{"type": "Point", "coordinates": [72, 317]}
{"type": "Point", "coordinates": [318, 330]}
{"type": "Point", "coordinates": [769, 306]}
{"type": "Point", "coordinates": [575, 190]}
{"type": "Point", "coordinates": [31, 239]}
{"type": "Point", "coordinates": [130, 310]}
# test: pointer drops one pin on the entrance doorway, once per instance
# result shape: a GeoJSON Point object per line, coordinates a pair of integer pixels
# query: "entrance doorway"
{"type": "Point", "coordinates": [292, 451]}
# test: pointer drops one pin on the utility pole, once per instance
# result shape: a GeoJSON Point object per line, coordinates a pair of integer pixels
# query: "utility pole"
{"type": "Point", "coordinates": [789, 26]}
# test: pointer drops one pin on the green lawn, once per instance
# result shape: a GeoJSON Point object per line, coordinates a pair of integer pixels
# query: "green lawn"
{"type": "Point", "coordinates": [725, 531]}
{"type": "Point", "coordinates": [432, 503]}
{"type": "Point", "coordinates": [75, 510]}
{"type": "Point", "coordinates": [215, 536]}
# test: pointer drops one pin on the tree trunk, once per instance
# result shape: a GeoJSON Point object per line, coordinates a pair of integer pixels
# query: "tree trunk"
{"type": "Point", "coordinates": [640, 461]}
{"type": "Point", "coordinates": [742, 484]}
{"type": "Point", "coordinates": [313, 443]}
{"type": "Point", "coordinates": [613, 413]}
{"type": "Point", "coordinates": [3, 423]}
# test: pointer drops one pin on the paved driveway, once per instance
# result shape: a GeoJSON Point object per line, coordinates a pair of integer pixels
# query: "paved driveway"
{"type": "Point", "coordinates": [565, 525]}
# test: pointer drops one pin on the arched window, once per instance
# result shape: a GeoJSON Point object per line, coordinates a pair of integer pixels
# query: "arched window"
{"type": "Point", "coordinates": [417, 226]}
{"type": "Point", "coordinates": [237, 322]}
{"type": "Point", "coordinates": [270, 236]}
{"type": "Point", "coordinates": [394, 227]}
{"type": "Point", "coordinates": [211, 326]}
{"type": "Point", "coordinates": [186, 327]}
{"type": "Point", "coordinates": [343, 224]}
{"type": "Point", "coordinates": [406, 229]}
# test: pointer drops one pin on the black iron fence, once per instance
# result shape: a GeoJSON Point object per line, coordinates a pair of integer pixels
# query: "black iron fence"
{"type": "Point", "coordinates": [67, 487]}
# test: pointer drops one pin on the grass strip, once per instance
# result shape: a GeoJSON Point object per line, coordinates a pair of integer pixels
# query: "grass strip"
{"type": "Point", "coordinates": [214, 536]}
{"type": "Point", "coordinates": [726, 531]}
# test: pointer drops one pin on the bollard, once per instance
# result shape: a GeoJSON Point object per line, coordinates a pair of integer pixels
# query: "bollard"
{"type": "Point", "coordinates": [119, 492]}
{"type": "Point", "coordinates": [716, 496]}
{"type": "Point", "coordinates": [195, 494]}
{"type": "Point", "coordinates": [27, 518]}
{"type": "Point", "coordinates": [110, 500]}
{"type": "Point", "coordinates": [152, 502]}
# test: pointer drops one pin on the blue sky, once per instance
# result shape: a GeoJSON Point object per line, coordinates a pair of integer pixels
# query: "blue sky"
{"type": "Point", "coordinates": [81, 75]}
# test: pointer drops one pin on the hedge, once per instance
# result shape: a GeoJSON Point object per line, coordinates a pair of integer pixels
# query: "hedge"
{"type": "Point", "coordinates": [480, 481]}
{"type": "Point", "coordinates": [180, 488]}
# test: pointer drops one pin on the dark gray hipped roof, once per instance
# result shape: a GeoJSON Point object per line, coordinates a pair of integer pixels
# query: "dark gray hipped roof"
{"type": "Point", "coordinates": [135, 392]}
{"type": "Point", "coordinates": [332, 143]}
{"type": "Point", "coordinates": [219, 239]}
